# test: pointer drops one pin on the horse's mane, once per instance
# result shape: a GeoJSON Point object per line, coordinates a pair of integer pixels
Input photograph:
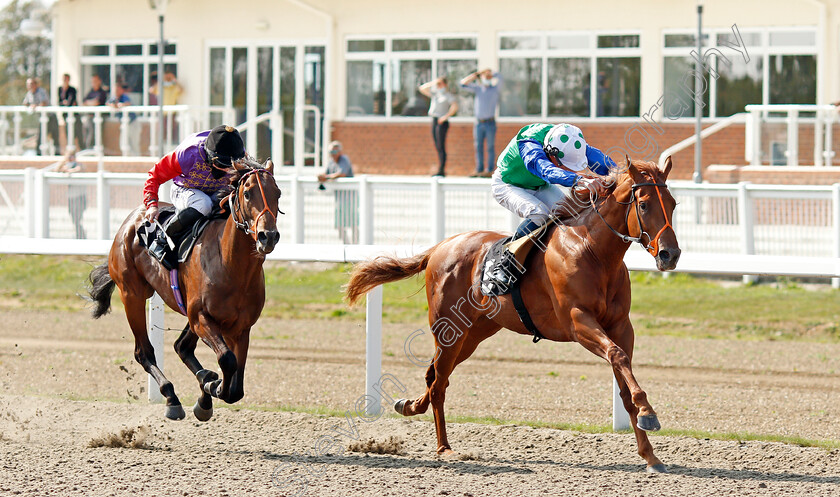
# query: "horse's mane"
{"type": "Point", "coordinates": [249, 163]}
{"type": "Point", "coordinates": [576, 211]}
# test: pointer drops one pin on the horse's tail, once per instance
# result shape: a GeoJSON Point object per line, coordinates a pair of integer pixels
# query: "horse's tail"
{"type": "Point", "coordinates": [100, 288]}
{"type": "Point", "coordinates": [383, 269]}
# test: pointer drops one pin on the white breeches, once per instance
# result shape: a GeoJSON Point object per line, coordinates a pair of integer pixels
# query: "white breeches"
{"type": "Point", "coordinates": [183, 198]}
{"type": "Point", "coordinates": [535, 205]}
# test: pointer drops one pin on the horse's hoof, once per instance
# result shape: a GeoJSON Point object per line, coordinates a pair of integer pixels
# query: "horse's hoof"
{"type": "Point", "coordinates": [399, 406]}
{"type": "Point", "coordinates": [657, 468]}
{"type": "Point", "coordinates": [175, 412]}
{"type": "Point", "coordinates": [201, 413]}
{"type": "Point", "coordinates": [648, 423]}
{"type": "Point", "coordinates": [446, 452]}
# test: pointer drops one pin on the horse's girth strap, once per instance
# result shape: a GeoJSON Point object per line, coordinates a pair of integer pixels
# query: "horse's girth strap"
{"type": "Point", "coordinates": [519, 305]}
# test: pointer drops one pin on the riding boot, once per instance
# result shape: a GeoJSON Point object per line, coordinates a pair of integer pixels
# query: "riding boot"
{"type": "Point", "coordinates": [503, 274]}
{"type": "Point", "coordinates": [524, 228]}
{"type": "Point", "coordinates": [181, 224]}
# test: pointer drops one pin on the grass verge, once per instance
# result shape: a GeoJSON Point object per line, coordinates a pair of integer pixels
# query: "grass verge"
{"type": "Point", "coordinates": [681, 305]}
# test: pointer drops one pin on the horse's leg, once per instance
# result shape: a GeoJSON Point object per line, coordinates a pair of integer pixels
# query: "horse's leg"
{"type": "Point", "coordinates": [209, 331]}
{"type": "Point", "coordinates": [185, 348]}
{"type": "Point", "coordinates": [624, 339]}
{"type": "Point", "coordinates": [237, 382]}
{"type": "Point", "coordinates": [144, 352]}
{"type": "Point", "coordinates": [594, 339]}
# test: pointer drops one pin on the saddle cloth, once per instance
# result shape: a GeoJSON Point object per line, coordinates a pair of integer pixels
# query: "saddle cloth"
{"type": "Point", "coordinates": [154, 238]}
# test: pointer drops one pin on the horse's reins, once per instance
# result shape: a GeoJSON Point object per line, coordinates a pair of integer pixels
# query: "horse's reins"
{"type": "Point", "coordinates": [235, 209]}
{"type": "Point", "coordinates": [653, 246]}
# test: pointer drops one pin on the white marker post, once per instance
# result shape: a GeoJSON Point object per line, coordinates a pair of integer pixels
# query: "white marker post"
{"type": "Point", "coordinates": [621, 419]}
{"type": "Point", "coordinates": [373, 348]}
{"type": "Point", "coordinates": [155, 331]}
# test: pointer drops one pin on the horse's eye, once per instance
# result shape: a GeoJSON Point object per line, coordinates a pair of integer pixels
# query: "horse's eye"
{"type": "Point", "coordinates": [643, 206]}
{"type": "Point", "coordinates": [246, 195]}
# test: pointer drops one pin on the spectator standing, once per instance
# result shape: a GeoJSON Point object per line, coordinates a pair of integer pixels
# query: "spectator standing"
{"type": "Point", "coordinates": [346, 201]}
{"type": "Point", "coordinates": [37, 97]}
{"type": "Point", "coordinates": [485, 85]}
{"type": "Point", "coordinates": [76, 194]}
{"type": "Point", "coordinates": [95, 97]}
{"type": "Point", "coordinates": [443, 106]}
{"type": "Point", "coordinates": [67, 97]}
{"type": "Point", "coordinates": [119, 100]}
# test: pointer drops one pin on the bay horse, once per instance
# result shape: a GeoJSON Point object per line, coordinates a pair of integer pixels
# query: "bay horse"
{"type": "Point", "coordinates": [222, 281]}
{"type": "Point", "coordinates": [576, 289]}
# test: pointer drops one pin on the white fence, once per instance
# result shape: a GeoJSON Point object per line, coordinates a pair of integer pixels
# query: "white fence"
{"type": "Point", "coordinates": [772, 220]}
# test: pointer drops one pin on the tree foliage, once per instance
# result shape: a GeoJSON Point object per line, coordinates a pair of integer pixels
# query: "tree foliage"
{"type": "Point", "coordinates": [22, 56]}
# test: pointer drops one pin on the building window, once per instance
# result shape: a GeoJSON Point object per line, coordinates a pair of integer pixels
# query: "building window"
{"type": "Point", "coordinates": [566, 67]}
{"type": "Point", "coordinates": [383, 74]}
{"type": "Point", "coordinates": [129, 62]}
{"type": "Point", "coordinates": [781, 70]}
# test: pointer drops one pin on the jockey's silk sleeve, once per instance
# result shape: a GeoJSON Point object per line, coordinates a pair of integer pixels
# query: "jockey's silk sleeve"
{"type": "Point", "coordinates": [598, 161]}
{"type": "Point", "coordinates": [537, 163]}
{"type": "Point", "coordinates": [166, 169]}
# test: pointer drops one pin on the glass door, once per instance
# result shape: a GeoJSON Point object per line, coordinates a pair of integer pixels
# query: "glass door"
{"type": "Point", "coordinates": [275, 94]}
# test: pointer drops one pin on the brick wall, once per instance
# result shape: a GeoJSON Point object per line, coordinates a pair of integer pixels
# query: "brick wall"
{"type": "Point", "coordinates": [407, 148]}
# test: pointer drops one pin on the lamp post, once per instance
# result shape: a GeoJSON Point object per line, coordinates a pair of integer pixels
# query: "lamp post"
{"type": "Point", "coordinates": [160, 7]}
{"type": "Point", "coordinates": [698, 98]}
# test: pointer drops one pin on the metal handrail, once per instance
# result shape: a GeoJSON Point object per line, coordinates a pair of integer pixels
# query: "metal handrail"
{"type": "Point", "coordinates": [691, 140]}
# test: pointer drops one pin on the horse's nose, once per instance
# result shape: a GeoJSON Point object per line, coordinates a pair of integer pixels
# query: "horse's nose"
{"type": "Point", "coordinates": [669, 257]}
{"type": "Point", "coordinates": [268, 239]}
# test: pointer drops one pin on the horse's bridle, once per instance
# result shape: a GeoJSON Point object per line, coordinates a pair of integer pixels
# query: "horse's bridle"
{"type": "Point", "coordinates": [235, 208]}
{"type": "Point", "coordinates": [653, 243]}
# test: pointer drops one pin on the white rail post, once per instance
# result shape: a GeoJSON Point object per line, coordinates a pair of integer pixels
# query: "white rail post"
{"type": "Point", "coordinates": [70, 127]}
{"type": "Point", "coordinates": [275, 123]}
{"type": "Point", "coordinates": [621, 419]}
{"type": "Point", "coordinates": [16, 122]}
{"type": "Point", "coordinates": [125, 145]}
{"type": "Point", "coordinates": [155, 332]}
{"type": "Point", "coordinates": [818, 138]}
{"type": "Point", "coordinates": [103, 206]}
{"type": "Point", "coordinates": [42, 126]}
{"type": "Point", "coordinates": [297, 202]}
{"type": "Point", "coordinates": [366, 211]}
{"type": "Point", "coordinates": [153, 135]}
{"type": "Point", "coordinates": [4, 133]}
{"type": "Point", "coordinates": [829, 153]}
{"type": "Point", "coordinates": [745, 219]}
{"type": "Point", "coordinates": [373, 348]}
{"type": "Point", "coordinates": [755, 118]}
{"type": "Point", "coordinates": [29, 202]}
{"type": "Point", "coordinates": [98, 147]}
{"type": "Point", "coordinates": [835, 215]}
{"type": "Point", "coordinates": [42, 206]}
{"type": "Point", "coordinates": [438, 210]}
{"type": "Point", "coordinates": [793, 138]}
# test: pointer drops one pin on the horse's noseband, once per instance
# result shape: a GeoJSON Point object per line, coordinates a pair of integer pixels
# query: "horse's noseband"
{"type": "Point", "coordinates": [236, 210]}
{"type": "Point", "coordinates": [652, 247]}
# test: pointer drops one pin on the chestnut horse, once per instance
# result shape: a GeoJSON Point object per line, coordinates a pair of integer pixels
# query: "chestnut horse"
{"type": "Point", "coordinates": [576, 290]}
{"type": "Point", "coordinates": [222, 282]}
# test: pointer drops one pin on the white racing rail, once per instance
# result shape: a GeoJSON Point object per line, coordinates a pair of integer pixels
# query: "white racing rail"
{"type": "Point", "coordinates": [737, 264]}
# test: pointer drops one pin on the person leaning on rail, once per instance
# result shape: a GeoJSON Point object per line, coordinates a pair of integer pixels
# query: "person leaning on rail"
{"type": "Point", "coordinates": [533, 170]}
{"type": "Point", "coordinates": [199, 167]}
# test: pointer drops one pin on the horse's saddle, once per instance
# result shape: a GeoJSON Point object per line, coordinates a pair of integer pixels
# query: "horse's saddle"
{"type": "Point", "coordinates": [153, 236]}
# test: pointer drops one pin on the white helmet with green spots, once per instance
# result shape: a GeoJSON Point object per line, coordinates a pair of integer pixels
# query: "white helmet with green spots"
{"type": "Point", "coordinates": [566, 143]}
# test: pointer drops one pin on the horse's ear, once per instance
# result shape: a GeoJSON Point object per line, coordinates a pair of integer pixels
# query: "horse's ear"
{"type": "Point", "coordinates": [269, 166]}
{"type": "Point", "coordinates": [239, 165]}
{"type": "Point", "coordinates": [634, 172]}
{"type": "Point", "coordinates": [667, 170]}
